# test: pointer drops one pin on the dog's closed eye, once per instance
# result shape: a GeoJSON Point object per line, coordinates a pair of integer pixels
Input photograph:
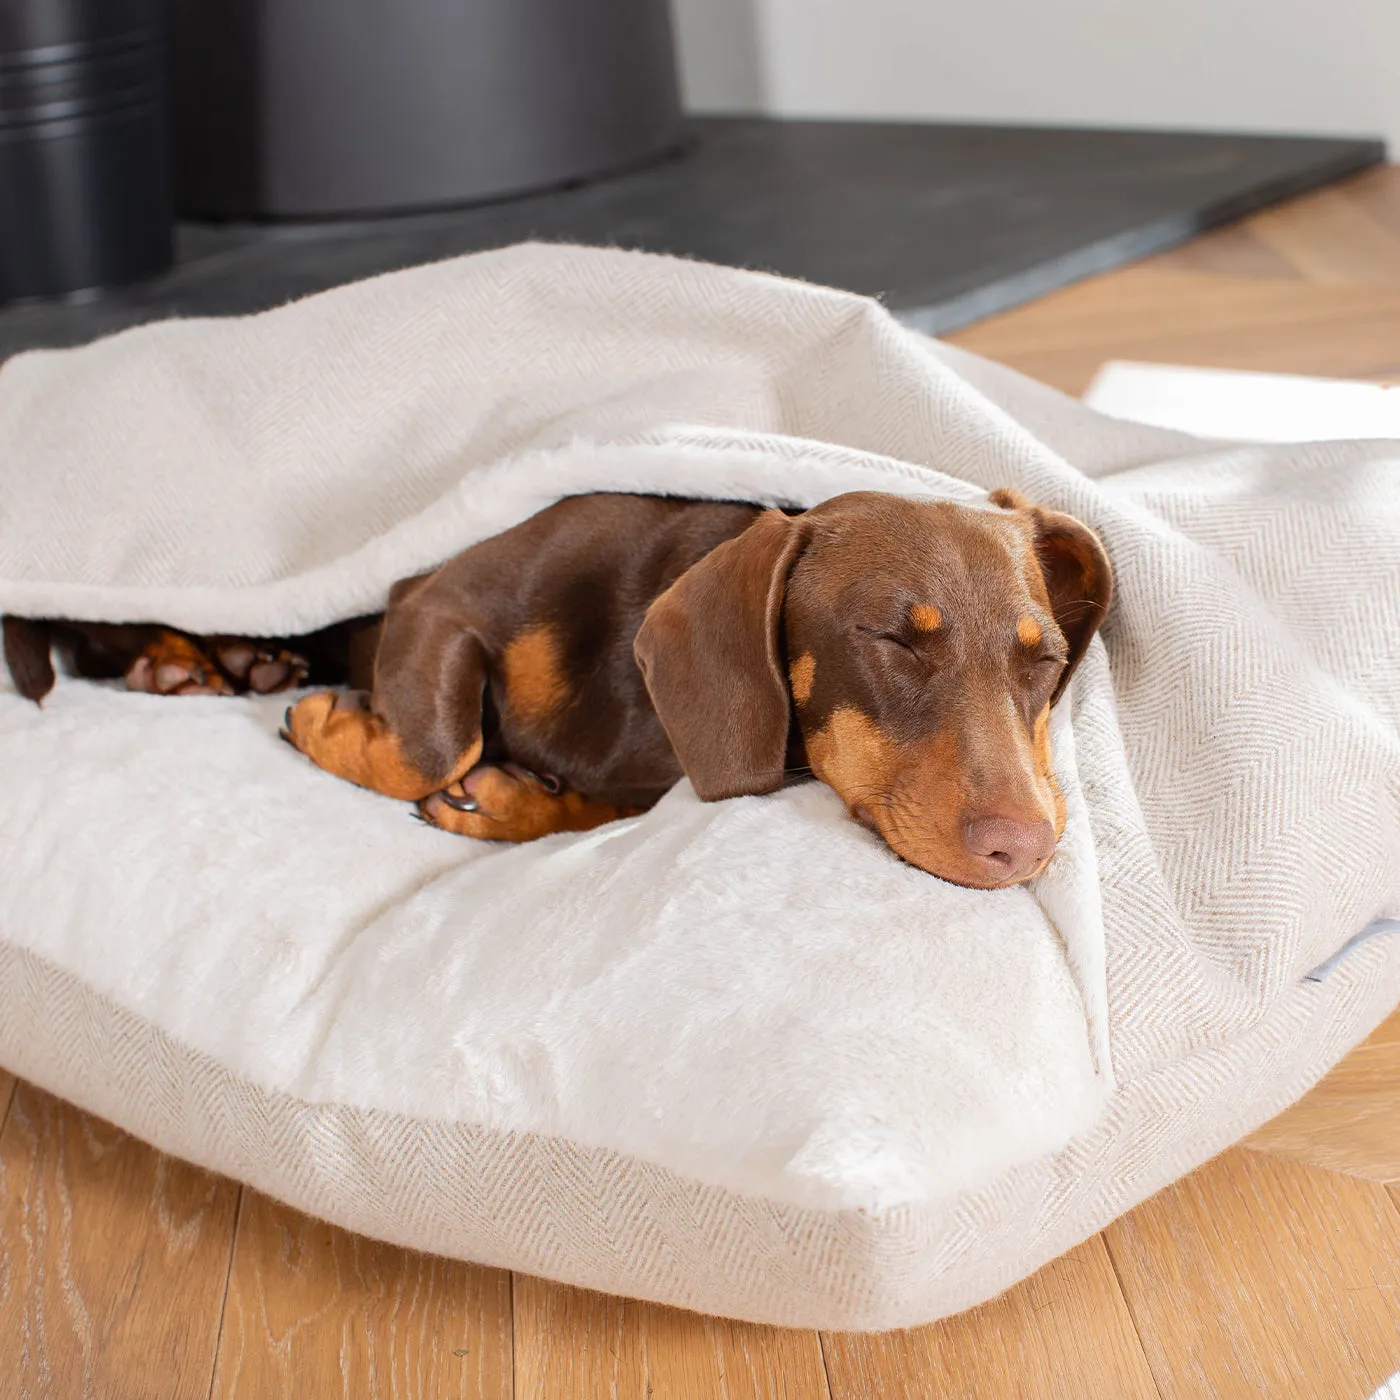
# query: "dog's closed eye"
{"type": "Point", "coordinates": [893, 639]}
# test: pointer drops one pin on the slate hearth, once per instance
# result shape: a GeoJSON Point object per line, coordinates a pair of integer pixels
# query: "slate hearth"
{"type": "Point", "coordinates": [945, 223]}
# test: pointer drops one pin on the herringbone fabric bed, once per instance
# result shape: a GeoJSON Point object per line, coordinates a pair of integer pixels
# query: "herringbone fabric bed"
{"type": "Point", "coordinates": [1236, 743]}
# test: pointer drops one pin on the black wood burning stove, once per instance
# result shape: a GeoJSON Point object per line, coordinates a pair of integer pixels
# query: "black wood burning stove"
{"type": "Point", "coordinates": [85, 191]}
{"type": "Point", "coordinates": [331, 107]}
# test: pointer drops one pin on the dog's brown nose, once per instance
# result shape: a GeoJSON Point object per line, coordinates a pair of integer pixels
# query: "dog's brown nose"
{"type": "Point", "coordinates": [1009, 850]}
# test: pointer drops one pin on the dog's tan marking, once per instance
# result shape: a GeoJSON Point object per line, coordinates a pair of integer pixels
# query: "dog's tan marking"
{"type": "Point", "coordinates": [926, 617]}
{"type": "Point", "coordinates": [1029, 631]}
{"type": "Point", "coordinates": [913, 795]}
{"type": "Point", "coordinates": [802, 674]}
{"type": "Point", "coordinates": [852, 754]}
{"type": "Point", "coordinates": [923, 819]}
{"type": "Point", "coordinates": [1044, 764]}
{"type": "Point", "coordinates": [355, 744]}
{"type": "Point", "coordinates": [533, 674]}
{"type": "Point", "coordinates": [515, 809]}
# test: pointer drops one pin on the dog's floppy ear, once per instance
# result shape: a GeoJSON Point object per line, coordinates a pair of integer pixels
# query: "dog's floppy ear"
{"type": "Point", "coordinates": [1078, 576]}
{"type": "Point", "coordinates": [709, 651]}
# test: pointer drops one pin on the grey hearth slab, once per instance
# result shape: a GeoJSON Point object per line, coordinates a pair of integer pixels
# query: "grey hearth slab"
{"type": "Point", "coordinates": [946, 224]}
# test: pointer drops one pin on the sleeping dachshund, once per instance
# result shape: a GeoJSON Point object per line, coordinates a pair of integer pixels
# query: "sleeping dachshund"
{"type": "Point", "coordinates": [569, 671]}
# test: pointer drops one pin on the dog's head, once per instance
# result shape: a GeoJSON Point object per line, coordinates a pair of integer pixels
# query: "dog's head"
{"type": "Point", "coordinates": [918, 647]}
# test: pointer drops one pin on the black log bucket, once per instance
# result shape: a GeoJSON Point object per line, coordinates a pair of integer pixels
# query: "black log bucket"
{"type": "Point", "coordinates": [85, 169]}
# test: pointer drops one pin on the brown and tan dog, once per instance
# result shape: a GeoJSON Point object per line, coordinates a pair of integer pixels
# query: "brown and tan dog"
{"type": "Point", "coordinates": [571, 670]}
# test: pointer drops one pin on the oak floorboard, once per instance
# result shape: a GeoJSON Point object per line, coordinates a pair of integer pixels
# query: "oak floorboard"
{"type": "Point", "coordinates": [314, 1311]}
{"type": "Point", "coordinates": [1232, 251]}
{"type": "Point", "coordinates": [1332, 238]}
{"type": "Point", "coordinates": [1378, 192]}
{"type": "Point", "coordinates": [1261, 1276]}
{"type": "Point", "coordinates": [1187, 318]}
{"type": "Point", "coordinates": [1308, 287]}
{"type": "Point", "coordinates": [572, 1344]}
{"type": "Point", "coordinates": [112, 1260]}
{"type": "Point", "coordinates": [1259, 246]}
{"type": "Point", "coordinates": [1063, 1333]}
{"type": "Point", "coordinates": [7, 1091]}
{"type": "Point", "coordinates": [1349, 1121]}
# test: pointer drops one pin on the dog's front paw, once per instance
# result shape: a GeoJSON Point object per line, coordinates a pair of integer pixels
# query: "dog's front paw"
{"type": "Point", "coordinates": [320, 723]}
{"type": "Point", "coordinates": [491, 803]}
{"type": "Point", "coordinates": [339, 732]}
{"type": "Point", "coordinates": [505, 802]}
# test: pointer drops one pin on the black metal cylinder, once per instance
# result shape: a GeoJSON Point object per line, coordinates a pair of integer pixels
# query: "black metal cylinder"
{"type": "Point", "coordinates": [85, 182]}
{"type": "Point", "coordinates": [317, 108]}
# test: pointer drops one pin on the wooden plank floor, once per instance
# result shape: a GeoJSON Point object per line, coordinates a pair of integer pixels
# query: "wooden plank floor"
{"type": "Point", "coordinates": [1310, 287]}
{"type": "Point", "coordinates": [1273, 1271]}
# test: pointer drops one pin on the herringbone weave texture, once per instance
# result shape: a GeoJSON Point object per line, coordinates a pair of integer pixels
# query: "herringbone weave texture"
{"type": "Point", "coordinates": [1236, 735]}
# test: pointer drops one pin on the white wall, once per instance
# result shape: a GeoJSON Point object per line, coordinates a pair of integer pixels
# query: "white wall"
{"type": "Point", "coordinates": [1250, 65]}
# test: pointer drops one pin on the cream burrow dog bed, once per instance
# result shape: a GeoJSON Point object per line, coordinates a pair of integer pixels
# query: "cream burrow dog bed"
{"type": "Point", "coordinates": [732, 1056]}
